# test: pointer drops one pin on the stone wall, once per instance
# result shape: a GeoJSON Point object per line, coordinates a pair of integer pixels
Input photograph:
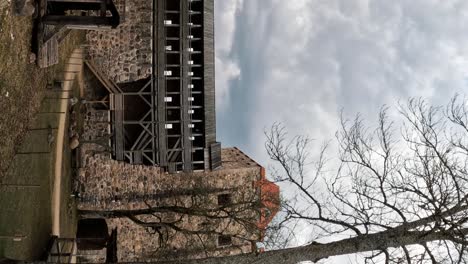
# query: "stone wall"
{"type": "Point", "coordinates": [96, 125]}
{"type": "Point", "coordinates": [134, 243]}
{"type": "Point", "coordinates": [107, 184]}
{"type": "Point", "coordinates": [234, 158]}
{"type": "Point", "coordinates": [124, 53]}
{"type": "Point", "coordinates": [94, 116]}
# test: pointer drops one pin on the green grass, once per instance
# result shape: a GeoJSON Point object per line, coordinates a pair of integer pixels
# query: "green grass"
{"type": "Point", "coordinates": [23, 81]}
{"type": "Point", "coordinates": [25, 209]}
{"type": "Point", "coordinates": [17, 77]}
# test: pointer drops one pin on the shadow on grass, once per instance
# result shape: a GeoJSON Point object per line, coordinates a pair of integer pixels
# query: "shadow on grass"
{"type": "Point", "coordinates": [26, 157]}
{"type": "Point", "coordinates": [26, 188]}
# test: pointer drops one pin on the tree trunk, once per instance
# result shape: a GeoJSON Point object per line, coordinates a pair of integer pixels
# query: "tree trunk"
{"type": "Point", "coordinates": [146, 211]}
{"type": "Point", "coordinates": [315, 251]}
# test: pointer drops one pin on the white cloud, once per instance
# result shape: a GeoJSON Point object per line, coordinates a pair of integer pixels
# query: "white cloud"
{"type": "Point", "coordinates": [225, 12]}
{"type": "Point", "coordinates": [226, 68]}
{"type": "Point", "coordinates": [312, 58]}
{"type": "Point", "coordinates": [226, 71]}
{"type": "Point", "coordinates": [302, 61]}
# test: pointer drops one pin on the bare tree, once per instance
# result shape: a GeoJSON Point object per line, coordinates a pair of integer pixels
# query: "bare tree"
{"type": "Point", "coordinates": [399, 193]}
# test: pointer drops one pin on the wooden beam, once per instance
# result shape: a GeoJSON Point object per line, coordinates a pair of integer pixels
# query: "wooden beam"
{"type": "Point", "coordinates": [119, 126]}
{"type": "Point", "coordinates": [185, 93]}
{"type": "Point", "coordinates": [160, 79]}
{"type": "Point", "coordinates": [59, 6]}
{"type": "Point", "coordinates": [110, 86]}
{"type": "Point", "coordinates": [172, 150]}
{"type": "Point", "coordinates": [77, 20]}
{"type": "Point", "coordinates": [209, 72]}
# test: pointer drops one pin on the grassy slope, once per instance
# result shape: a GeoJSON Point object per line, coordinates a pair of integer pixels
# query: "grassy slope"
{"type": "Point", "coordinates": [23, 81]}
{"type": "Point", "coordinates": [19, 79]}
{"type": "Point", "coordinates": [26, 210]}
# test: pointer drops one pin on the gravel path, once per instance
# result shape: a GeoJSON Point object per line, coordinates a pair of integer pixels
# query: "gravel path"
{"type": "Point", "coordinates": [73, 69]}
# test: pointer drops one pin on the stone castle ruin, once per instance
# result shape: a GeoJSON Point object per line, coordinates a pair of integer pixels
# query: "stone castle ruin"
{"type": "Point", "coordinates": [218, 198]}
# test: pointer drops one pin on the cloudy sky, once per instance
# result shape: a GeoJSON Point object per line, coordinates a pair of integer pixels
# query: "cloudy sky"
{"type": "Point", "coordinates": [301, 61]}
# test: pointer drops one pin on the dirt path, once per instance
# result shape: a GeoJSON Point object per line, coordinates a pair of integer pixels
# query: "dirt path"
{"type": "Point", "coordinates": [73, 69]}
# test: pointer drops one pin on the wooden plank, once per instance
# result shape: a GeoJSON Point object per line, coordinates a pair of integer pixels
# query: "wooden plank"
{"type": "Point", "coordinates": [206, 159]}
{"type": "Point", "coordinates": [62, 34]}
{"type": "Point", "coordinates": [52, 31]}
{"type": "Point", "coordinates": [160, 43]}
{"type": "Point", "coordinates": [137, 157]}
{"type": "Point", "coordinates": [154, 82]}
{"type": "Point", "coordinates": [78, 21]}
{"type": "Point", "coordinates": [112, 102]}
{"type": "Point", "coordinates": [72, 251]}
{"type": "Point", "coordinates": [172, 167]}
{"type": "Point", "coordinates": [185, 117]}
{"type": "Point", "coordinates": [215, 155]}
{"type": "Point", "coordinates": [108, 84]}
{"type": "Point", "coordinates": [48, 53]}
{"type": "Point", "coordinates": [119, 127]}
{"type": "Point", "coordinates": [209, 72]}
{"type": "Point", "coordinates": [142, 138]}
{"type": "Point", "coordinates": [53, 16]}
{"type": "Point", "coordinates": [115, 85]}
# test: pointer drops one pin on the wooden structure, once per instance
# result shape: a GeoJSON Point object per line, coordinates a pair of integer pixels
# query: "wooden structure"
{"type": "Point", "coordinates": [111, 86]}
{"type": "Point", "coordinates": [49, 41]}
{"type": "Point", "coordinates": [57, 17]}
{"type": "Point", "coordinates": [92, 234]}
{"type": "Point", "coordinates": [116, 108]}
{"type": "Point", "coordinates": [62, 250]}
{"type": "Point", "coordinates": [70, 13]}
{"type": "Point", "coordinates": [168, 120]}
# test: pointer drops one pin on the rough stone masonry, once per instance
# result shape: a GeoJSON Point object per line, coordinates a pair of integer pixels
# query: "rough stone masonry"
{"type": "Point", "coordinates": [107, 184]}
{"type": "Point", "coordinates": [124, 54]}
